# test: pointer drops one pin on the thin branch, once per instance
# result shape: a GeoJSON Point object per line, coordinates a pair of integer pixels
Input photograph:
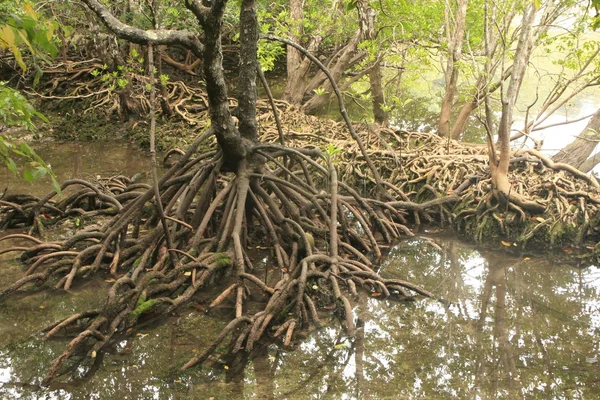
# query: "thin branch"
{"type": "Point", "coordinates": [353, 133]}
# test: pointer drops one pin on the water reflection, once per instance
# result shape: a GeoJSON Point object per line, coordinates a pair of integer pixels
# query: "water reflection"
{"type": "Point", "coordinates": [517, 327]}
{"type": "Point", "coordinates": [79, 160]}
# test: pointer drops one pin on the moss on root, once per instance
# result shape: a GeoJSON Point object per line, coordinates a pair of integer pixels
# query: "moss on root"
{"type": "Point", "coordinates": [144, 307]}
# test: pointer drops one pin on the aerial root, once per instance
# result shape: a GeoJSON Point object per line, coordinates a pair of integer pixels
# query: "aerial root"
{"type": "Point", "coordinates": [320, 230]}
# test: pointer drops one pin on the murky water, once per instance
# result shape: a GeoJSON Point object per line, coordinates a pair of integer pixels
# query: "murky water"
{"type": "Point", "coordinates": [81, 160]}
{"type": "Point", "coordinates": [519, 326]}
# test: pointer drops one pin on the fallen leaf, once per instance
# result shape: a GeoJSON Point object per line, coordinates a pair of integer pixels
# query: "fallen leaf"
{"type": "Point", "coordinates": [42, 307]}
{"type": "Point", "coordinates": [225, 367]}
{"type": "Point", "coordinates": [330, 307]}
{"type": "Point", "coordinates": [178, 381]}
{"type": "Point", "coordinates": [110, 280]}
{"type": "Point", "coordinates": [315, 287]}
{"type": "Point", "coordinates": [194, 350]}
{"type": "Point", "coordinates": [515, 244]}
{"type": "Point", "coordinates": [187, 273]}
{"type": "Point", "coordinates": [375, 294]}
{"type": "Point", "coordinates": [93, 354]}
{"type": "Point", "coordinates": [507, 244]}
{"type": "Point", "coordinates": [271, 358]}
{"type": "Point", "coordinates": [526, 259]}
{"type": "Point", "coordinates": [284, 270]}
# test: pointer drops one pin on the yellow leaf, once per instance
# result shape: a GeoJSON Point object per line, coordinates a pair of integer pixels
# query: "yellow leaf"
{"type": "Point", "coordinates": [110, 280]}
{"type": "Point", "coordinates": [94, 354]}
{"type": "Point", "coordinates": [187, 273]}
{"type": "Point", "coordinates": [42, 307]}
{"type": "Point", "coordinates": [8, 40]}
{"type": "Point", "coordinates": [507, 244]}
{"type": "Point", "coordinates": [225, 367]}
{"type": "Point", "coordinates": [526, 259]}
{"type": "Point", "coordinates": [540, 219]}
{"type": "Point", "coordinates": [7, 37]}
{"type": "Point", "coordinates": [30, 12]}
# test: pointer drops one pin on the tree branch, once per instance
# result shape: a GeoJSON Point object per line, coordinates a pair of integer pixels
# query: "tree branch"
{"type": "Point", "coordinates": [198, 9]}
{"type": "Point", "coordinates": [140, 36]}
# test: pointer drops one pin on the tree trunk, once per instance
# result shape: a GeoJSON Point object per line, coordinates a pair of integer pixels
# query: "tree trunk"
{"type": "Point", "coordinates": [375, 80]}
{"type": "Point", "coordinates": [455, 36]}
{"type": "Point", "coordinates": [463, 117]}
{"type": "Point", "coordinates": [296, 68]}
{"type": "Point", "coordinates": [367, 17]}
{"type": "Point", "coordinates": [247, 71]}
{"type": "Point", "coordinates": [501, 186]}
{"type": "Point", "coordinates": [577, 152]}
{"type": "Point", "coordinates": [216, 89]}
{"type": "Point", "coordinates": [318, 101]}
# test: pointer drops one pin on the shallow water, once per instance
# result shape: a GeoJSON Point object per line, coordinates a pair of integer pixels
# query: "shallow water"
{"type": "Point", "coordinates": [518, 326]}
{"type": "Point", "coordinates": [82, 160]}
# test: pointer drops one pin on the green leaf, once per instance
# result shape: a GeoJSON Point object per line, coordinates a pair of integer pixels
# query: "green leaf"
{"type": "Point", "coordinates": [28, 175]}
{"type": "Point", "coordinates": [11, 165]}
{"type": "Point", "coordinates": [56, 185]}
{"type": "Point", "coordinates": [39, 172]}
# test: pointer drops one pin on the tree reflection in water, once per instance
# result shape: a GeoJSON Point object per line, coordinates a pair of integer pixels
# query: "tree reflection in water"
{"type": "Point", "coordinates": [516, 328]}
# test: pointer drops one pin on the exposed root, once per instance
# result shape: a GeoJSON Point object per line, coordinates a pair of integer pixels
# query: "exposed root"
{"type": "Point", "coordinates": [321, 232]}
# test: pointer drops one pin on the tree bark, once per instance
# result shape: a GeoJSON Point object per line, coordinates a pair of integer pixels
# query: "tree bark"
{"type": "Point", "coordinates": [247, 73]}
{"type": "Point", "coordinates": [455, 36]}
{"type": "Point", "coordinates": [318, 101]}
{"type": "Point", "coordinates": [577, 153]}
{"type": "Point", "coordinates": [376, 82]}
{"type": "Point", "coordinates": [296, 68]}
{"type": "Point", "coordinates": [499, 167]}
{"type": "Point", "coordinates": [367, 17]}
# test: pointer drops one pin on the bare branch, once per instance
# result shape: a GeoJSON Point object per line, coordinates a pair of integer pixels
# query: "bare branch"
{"type": "Point", "coordinates": [140, 36]}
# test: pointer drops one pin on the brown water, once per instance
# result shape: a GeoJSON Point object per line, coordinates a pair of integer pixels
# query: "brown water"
{"type": "Point", "coordinates": [518, 326]}
{"type": "Point", "coordinates": [79, 160]}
